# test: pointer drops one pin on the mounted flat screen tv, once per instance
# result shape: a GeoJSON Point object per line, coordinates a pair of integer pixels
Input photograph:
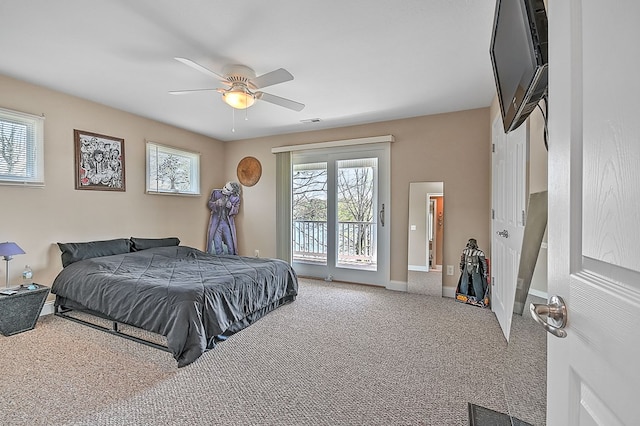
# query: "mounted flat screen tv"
{"type": "Point", "coordinates": [519, 58]}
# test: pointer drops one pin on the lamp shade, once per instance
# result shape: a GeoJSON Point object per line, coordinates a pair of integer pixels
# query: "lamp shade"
{"type": "Point", "coordinates": [10, 249]}
{"type": "Point", "coordinates": [239, 99]}
{"type": "Point", "coordinates": [239, 96]}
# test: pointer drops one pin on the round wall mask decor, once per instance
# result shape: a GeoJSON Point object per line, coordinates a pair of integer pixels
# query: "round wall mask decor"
{"type": "Point", "coordinates": [249, 171]}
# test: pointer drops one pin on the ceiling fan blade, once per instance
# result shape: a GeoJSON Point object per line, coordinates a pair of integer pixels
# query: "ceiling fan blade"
{"type": "Point", "coordinates": [269, 79]}
{"type": "Point", "coordinates": [200, 68]}
{"type": "Point", "coordinates": [186, 92]}
{"type": "Point", "coordinates": [287, 103]}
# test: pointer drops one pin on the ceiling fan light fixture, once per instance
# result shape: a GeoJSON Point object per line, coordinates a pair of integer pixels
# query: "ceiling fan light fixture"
{"type": "Point", "coordinates": [239, 97]}
{"type": "Point", "coordinates": [241, 81]}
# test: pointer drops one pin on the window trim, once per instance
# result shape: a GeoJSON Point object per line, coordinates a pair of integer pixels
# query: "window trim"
{"type": "Point", "coordinates": [194, 169]}
{"type": "Point", "coordinates": [36, 123]}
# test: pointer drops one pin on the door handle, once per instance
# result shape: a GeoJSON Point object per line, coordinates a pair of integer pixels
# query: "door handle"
{"type": "Point", "coordinates": [556, 313]}
{"type": "Point", "coordinates": [381, 215]}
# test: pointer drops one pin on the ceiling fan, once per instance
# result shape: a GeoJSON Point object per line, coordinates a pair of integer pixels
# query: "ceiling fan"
{"type": "Point", "coordinates": [243, 85]}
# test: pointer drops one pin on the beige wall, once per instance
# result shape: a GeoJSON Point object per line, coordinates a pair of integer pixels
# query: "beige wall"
{"type": "Point", "coordinates": [537, 153]}
{"type": "Point", "coordinates": [538, 183]}
{"type": "Point", "coordinates": [37, 218]}
{"type": "Point", "coordinates": [452, 148]}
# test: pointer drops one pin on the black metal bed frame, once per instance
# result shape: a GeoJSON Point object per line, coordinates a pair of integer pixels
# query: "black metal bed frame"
{"type": "Point", "coordinates": [63, 311]}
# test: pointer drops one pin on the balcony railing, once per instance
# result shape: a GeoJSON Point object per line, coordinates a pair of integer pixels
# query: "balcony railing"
{"type": "Point", "coordinates": [356, 242]}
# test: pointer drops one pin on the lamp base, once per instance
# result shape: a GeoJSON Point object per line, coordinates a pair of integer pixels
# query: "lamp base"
{"type": "Point", "coordinates": [6, 278]}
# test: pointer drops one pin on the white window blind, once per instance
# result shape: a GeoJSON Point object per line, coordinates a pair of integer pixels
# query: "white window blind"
{"type": "Point", "coordinates": [172, 170]}
{"type": "Point", "coordinates": [21, 148]}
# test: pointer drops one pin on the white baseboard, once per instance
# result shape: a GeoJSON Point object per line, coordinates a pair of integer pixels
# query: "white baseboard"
{"type": "Point", "coordinates": [47, 309]}
{"type": "Point", "coordinates": [397, 286]}
{"type": "Point", "coordinates": [539, 293]}
{"type": "Point", "coordinates": [418, 268]}
{"type": "Point", "coordinates": [449, 292]}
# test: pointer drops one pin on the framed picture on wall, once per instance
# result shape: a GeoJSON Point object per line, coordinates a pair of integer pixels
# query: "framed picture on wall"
{"type": "Point", "coordinates": [99, 162]}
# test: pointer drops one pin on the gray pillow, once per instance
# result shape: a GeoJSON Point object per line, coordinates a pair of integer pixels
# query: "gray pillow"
{"type": "Point", "coordinates": [73, 252]}
{"type": "Point", "coordinates": [138, 244]}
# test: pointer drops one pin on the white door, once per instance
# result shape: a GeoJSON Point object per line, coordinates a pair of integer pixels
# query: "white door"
{"type": "Point", "coordinates": [340, 199]}
{"type": "Point", "coordinates": [508, 200]}
{"type": "Point", "coordinates": [594, 211]}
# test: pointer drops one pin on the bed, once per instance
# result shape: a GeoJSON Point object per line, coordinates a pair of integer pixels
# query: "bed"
{"type": "Point", "coordinates": [193, 298]}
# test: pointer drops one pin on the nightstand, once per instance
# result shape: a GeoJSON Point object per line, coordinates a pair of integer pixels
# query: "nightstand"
{"type": "Point", "coordinates": [19, 312]}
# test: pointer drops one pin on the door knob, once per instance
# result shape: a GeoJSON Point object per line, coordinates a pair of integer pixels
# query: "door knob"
{"type": "Point", "coordinates": [503, 233]}
{"type": "Point", "coordinates": [556, 313]}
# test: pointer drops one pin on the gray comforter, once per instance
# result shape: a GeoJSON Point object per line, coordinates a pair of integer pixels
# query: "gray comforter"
{"type": "Point", "coordinates": [187, 295]}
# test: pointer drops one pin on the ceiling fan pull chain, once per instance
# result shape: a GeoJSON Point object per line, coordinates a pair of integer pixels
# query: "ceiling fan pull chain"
{"type": "Point", "coordinates": [233, 120]}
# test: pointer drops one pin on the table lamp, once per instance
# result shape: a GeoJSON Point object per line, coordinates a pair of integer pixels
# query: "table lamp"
{"type": "Point", "coordinates": [8, 250]}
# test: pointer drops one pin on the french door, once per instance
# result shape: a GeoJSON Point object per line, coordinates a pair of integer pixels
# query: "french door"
{"type": "Point", "coordinates": [340, 214]}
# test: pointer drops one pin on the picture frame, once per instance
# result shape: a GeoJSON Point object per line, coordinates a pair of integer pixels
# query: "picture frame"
{"type": "Point", "coordinates": [99, 162]}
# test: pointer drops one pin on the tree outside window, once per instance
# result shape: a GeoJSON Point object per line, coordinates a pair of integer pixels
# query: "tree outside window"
{"type": "Point", "coordinates": [172, 170]}
{"type": "Point", "coordinates": [21, 148]}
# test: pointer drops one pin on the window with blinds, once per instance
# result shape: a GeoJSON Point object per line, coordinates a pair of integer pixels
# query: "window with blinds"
{"type": "Point", "coordinates": [21, 148]}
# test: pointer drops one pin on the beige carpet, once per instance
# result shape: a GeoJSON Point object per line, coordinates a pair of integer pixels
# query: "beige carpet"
{"type": "Point", "coordinates": [339, 355]}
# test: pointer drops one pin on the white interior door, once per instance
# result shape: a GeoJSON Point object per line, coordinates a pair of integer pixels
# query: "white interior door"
{"type": "Point", "coordinates": [594, 211]}
{"type": "Point", "coordinates": [508, 199]}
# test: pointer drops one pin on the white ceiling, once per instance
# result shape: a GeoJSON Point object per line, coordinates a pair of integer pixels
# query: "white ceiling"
{"type": "Point", "coordinates": [353, 61]}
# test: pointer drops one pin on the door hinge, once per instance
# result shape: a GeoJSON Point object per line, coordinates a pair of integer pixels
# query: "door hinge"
{"type": "Point", "coordinates": [493, 147]}
{"type": "Point", "coordinates": [493, 214]}
{"type": "Point", "coordinates": [523, 218]}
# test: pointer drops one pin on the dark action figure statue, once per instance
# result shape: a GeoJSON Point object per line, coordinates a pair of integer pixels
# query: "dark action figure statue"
{"type": "Point", "coordinates": [473, 266]}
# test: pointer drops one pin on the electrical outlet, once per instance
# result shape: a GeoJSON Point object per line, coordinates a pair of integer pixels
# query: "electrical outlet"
{"type": "Point", "coordinates": [449, 269]}
{"type": "Point", "coordinates": [256, 253]}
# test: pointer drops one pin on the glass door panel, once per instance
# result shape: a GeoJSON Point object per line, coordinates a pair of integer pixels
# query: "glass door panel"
{"type": "Point", "coordinates": [309, 213]}
{"type": "Point", "coordinates": [356, 213]}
